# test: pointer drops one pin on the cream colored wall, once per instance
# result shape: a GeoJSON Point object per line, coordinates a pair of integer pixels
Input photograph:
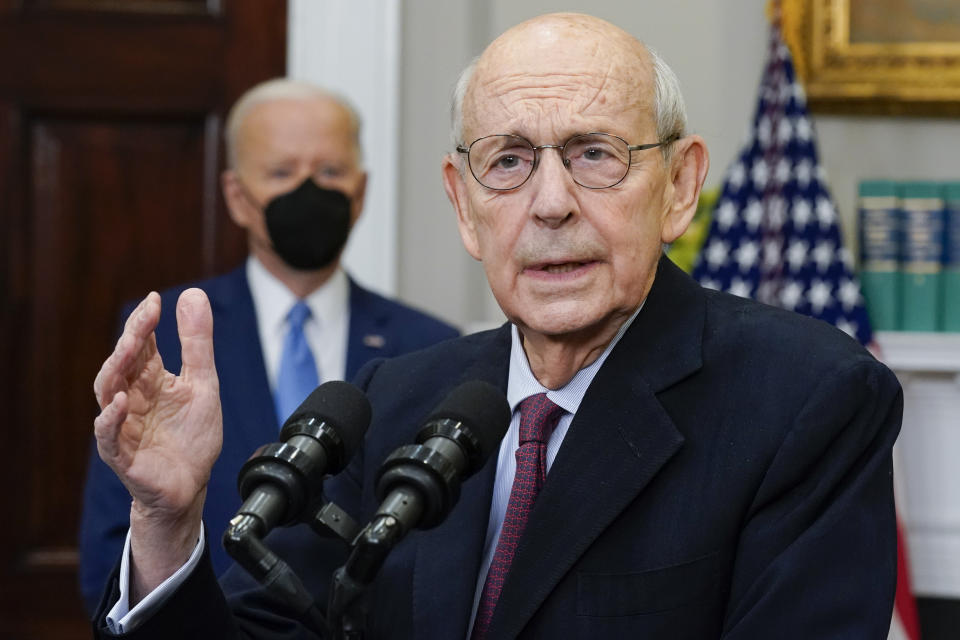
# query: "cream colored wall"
{"type": "Point", "coordinates": [439, 38]}
{"type": "Point", "coordinates": [352, 47]}
{"type": "Point", "coordinates": [717, 48]}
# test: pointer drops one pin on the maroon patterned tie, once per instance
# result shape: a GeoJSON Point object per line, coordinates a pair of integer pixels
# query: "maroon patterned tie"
{"type": "Point", "coordinates": [538, 417]}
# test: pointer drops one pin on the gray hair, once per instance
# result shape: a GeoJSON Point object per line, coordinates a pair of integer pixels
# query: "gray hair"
{"type": "Point", "coordinates": [669, 108]}
{"type": "Point", "coordinates": [456, 103]}
{"type": "Point", "coordinates": [281, 89]}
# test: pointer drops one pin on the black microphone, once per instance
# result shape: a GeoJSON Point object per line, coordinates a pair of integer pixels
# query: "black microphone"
{"type": "Point", "coordinates": [282, 482]}
{"type": "Point", "coordinates": [419, 484]}
{"type": "Point", "coordinates": [318, 439]}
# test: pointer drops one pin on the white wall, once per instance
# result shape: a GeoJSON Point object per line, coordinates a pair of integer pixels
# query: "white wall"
{"type": "Point", "coordinates": [435, 272]}
{"type": "Point", "coordinates": [353, 47]}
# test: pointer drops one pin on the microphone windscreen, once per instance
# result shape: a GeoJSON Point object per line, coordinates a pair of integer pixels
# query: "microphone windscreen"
{"type": "Point", "coordinates": [482, 408]}
{"type": "Point", "coordinates": [341, 405]}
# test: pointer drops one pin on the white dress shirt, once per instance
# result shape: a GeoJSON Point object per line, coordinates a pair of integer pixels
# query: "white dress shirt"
{"type": "Point", "coordinates": [327, 329]}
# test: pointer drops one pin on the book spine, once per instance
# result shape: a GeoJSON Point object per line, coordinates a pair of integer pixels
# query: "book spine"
{"type": "Point", "coordinates": [951, 273]}
{"type": "Point", "coordinates": [879, 254]}
{"type": "Point", "coordinates": [922, 244]}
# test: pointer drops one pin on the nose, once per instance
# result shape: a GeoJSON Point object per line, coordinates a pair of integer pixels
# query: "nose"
{"type": "Point", "coordinates": [554, 200]}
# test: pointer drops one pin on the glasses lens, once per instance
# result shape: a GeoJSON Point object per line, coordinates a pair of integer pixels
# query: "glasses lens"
{"type": "Point", "coordinates": [501, 161]}
{"type": "Point", "coordinates": [597, 160]}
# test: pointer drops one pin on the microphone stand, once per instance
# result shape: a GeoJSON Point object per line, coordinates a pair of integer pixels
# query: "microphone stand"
{"type": "Point", "coordinates": [243, 540]}
{"type": "Point", "coordinates": [417, 485]}
{"type": "Point", "coordinates": [346, 609]}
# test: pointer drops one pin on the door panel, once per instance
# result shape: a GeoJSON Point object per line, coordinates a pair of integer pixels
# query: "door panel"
{"type": "Point", "coordinates": [111, 119]}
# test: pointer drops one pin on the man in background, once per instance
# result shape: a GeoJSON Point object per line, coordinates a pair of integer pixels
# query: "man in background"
{"type": "Point", "coordinates": [286, 320]}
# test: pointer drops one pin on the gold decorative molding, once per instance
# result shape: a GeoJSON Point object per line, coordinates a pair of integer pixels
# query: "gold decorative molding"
{"type": "Point", "coordinates": [899, 76]}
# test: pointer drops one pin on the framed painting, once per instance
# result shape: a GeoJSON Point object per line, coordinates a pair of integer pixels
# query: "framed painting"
{"type": "Point", "coordinates": [877, 56]}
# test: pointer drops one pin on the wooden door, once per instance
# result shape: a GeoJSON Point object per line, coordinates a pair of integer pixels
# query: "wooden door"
{"type": "Point", "coordinates": [111, 114]}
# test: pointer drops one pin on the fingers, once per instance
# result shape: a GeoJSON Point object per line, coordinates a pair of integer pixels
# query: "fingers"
{"type": "Point", "coordinates": [106, 428]}
{"type": "Point", "coordinates": [195, 326]}
{"type": "Point", "coordinates": [136, 343]}
{"type": "Point", "coordinates": [149, 308]}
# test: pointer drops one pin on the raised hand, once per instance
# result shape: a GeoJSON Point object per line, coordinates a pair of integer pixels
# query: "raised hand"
{"type": "Point", "coordinates": [161, 433]}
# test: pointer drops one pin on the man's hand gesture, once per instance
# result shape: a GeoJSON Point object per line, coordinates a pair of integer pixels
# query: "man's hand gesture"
{"type": "Point", "coordinates": [161, 433]}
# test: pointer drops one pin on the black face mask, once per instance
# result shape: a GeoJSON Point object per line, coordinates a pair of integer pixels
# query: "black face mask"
{"type": "Point", "coordinates": [309, 225]}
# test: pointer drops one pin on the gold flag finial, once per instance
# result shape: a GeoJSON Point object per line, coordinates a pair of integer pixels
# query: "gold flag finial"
{"type": "Point", "coordinates": [789, 17]}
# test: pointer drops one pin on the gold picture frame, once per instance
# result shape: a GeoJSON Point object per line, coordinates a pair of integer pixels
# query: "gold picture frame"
{"type": "Point", "coordinates": [879, 57]}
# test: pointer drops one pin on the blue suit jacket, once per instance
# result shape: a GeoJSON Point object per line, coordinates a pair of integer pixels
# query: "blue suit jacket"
{"type": "Point", "coordinates": [728, 475]}
{"type": "Point", "coordinates": [378, 328]}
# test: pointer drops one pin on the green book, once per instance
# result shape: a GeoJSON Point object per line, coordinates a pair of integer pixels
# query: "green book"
{"type": "Point", "coordinates": [921, 255]}
{"type": "Point", "coordinates": [879, 252]}
{"type": "Point", "coordinates": [951, 273]}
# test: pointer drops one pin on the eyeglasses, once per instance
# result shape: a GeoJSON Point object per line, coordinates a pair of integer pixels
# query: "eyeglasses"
{"type": "Point", "coordinates": [503, 162]}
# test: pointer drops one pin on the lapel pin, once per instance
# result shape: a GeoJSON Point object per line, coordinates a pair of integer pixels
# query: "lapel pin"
{"type": "Point", "coordinates": [374, 340]}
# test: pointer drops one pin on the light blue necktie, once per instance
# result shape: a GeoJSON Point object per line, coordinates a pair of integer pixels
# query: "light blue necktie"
{"type": "Point", "coordinates": [298, 370]}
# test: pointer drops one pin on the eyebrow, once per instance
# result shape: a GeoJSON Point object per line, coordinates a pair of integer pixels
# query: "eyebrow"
{"type": "Point", "coordinates": [561, 140]}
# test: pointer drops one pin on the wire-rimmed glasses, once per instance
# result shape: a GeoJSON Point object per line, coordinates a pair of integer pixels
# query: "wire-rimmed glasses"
{"type": "Point", "coordinates": [502, 162]}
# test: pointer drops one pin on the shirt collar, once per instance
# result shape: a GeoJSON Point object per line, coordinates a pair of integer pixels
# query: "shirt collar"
{"type": "Point", "coordinates": [522, 384]}
{"type": "Point", "coordinates": [273, 300]}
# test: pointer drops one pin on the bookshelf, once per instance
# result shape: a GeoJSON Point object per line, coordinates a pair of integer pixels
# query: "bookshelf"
{"type": "Point", "coordinates": [926, 455]}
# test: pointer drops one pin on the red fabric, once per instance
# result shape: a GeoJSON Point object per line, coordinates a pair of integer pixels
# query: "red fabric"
{"type": "Point", "coordinates": [538, 418]}
{"type": "Point", "coordinates": [904, 604]}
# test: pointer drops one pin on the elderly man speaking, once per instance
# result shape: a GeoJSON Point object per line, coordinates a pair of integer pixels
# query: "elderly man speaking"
{"type": "Point", "coordinates": [680, 463]}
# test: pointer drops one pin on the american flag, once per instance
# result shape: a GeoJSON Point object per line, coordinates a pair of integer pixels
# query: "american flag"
{"type": "Point", "coordinates": [775, 235]}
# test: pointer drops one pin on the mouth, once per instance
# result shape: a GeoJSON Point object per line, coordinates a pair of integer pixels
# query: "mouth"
{"type": "Point", "coordinates": [547, 269]}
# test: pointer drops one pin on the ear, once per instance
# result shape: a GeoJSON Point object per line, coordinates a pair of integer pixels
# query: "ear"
{"type": "Point", "coordinates": [358, 198]}
{"type": "Point", "coordinates": [687, 171]}
{"type": "Point", "coordinates": [237, 204]}
{"type": "Point", "coordinates": [456, 188]}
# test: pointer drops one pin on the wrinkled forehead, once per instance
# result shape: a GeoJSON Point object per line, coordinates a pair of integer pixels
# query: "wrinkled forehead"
{"type": "Point", "coordinates": [571, 71]}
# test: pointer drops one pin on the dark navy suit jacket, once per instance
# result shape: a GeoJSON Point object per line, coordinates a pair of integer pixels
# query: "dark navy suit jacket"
{"type": "Point", "coordinates": [378, 328]}
{"type": "Point", "coordinates": [728, 475]}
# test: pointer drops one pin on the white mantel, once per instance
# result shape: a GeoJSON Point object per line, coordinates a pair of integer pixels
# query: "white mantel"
{"type": "Point", "coordinates": [927, 455]}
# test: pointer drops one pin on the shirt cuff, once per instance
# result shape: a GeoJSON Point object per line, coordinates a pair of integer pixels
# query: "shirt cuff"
{"type": "Point", "coordinates": [120, 618]}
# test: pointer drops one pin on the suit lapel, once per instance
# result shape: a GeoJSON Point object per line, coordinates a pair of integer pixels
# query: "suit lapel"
{"type": "Point", "coordinates": [239, 358]}
{"type": "Point", "coordinates": [618, 441]}
{"type": "Point", "coordinates": [367, 336]}
{"type": "Point", "coordinates": [450, 554]}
